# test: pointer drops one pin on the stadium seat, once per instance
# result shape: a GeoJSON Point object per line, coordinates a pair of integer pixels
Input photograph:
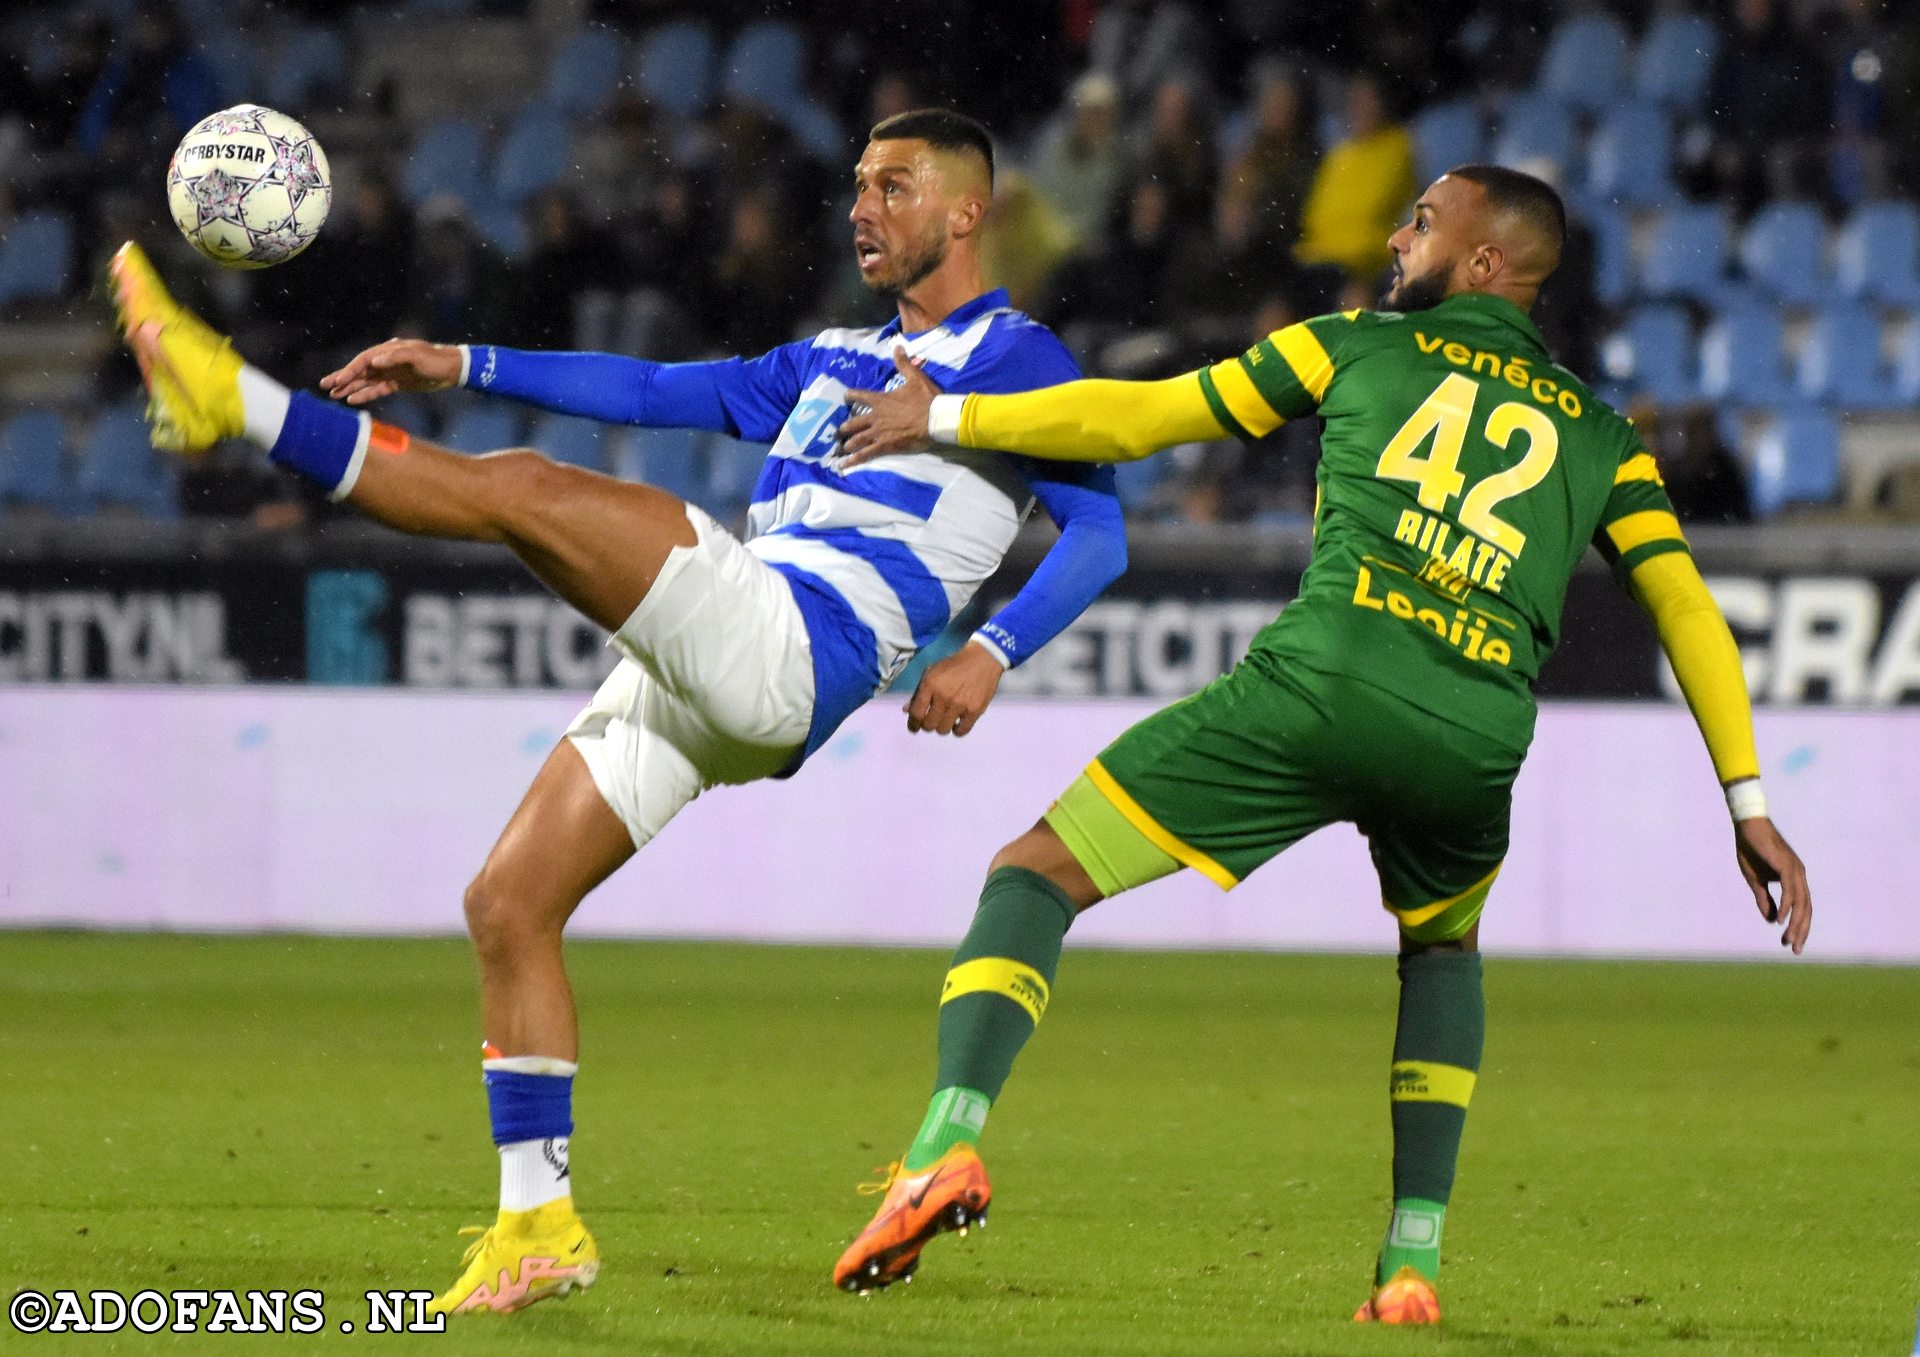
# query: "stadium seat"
{"type": "Point", "coordinates": [569, 439]}
{"type": "Point", "coordinates": [734, 469]}
{"type": "Point", "coordinates": [1877, 254]}
{"type": "Point", "coordinates": [585, 72]}
{"type": "Point", "coordinates": [532, 156]}
{"type": "Point", "coordinates": [764, 64]}
{"type": "Point", "coordinates": [1743, 357]}
{"type": "Point", "coordinates": [1630, 158]}
{"type": "Point", "coordinates": [1612, 253]}
{"type": "Point", "coordinates": [1783, 253]}
{"type": "Point", "coordinates": [33, 464]}
{"type": "Point", "coordinates": [482, 428]}
{"type": "Point", "coordinates": [674, 460]}
{"type": "Point", "coordinates": [1686, 255]}
{"type": "Point", "coordinates": [119, 467]}
{"type": "Point", "coordinates": [1840, 360]}
{"type": "Point", "coordinates": [676, 67]}
{"type": "Point", "coordinates": [448, 158]}
{"type": "Point", "coordinates": [1906, 366]}
{"type": "Point", "coordinates": [1136, 481]}
{"type": "Point", "coordinates": [1796, 460]}
{"type": "Point", "coordinates": [1653, 354]}
{"type": "Point", "coordinates": [232, 58]}
{"type": "Point", "coordinates": [500, 224]}
{"type": "Point", "coordinates": [35, 258]}
{"type": "Point", "coordinates": [1585, 63]}
{"type": "Point", "coordinates": [1535, 127]}
{"type": "Point", "coordinates": [1675, 61]}
{"type": "Point", "coordinates": [1445, 135]}
{"type": "Point", "coordinates": [312, 60]}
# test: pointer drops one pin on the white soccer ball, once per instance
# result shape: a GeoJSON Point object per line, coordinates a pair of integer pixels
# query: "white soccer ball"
{"type": "Point", "coordinates": [249, 187]}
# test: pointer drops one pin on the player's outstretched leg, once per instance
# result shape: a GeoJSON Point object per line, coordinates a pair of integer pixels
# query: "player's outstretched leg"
{"type": "Point", "coordinates": [561, 843]}
{"type": "Point", "coordinates": [995, 993]}
{"type": "Point", "coordinates": [597, 542]}
{"type": "Point", "coordinates": [1436, 1061]}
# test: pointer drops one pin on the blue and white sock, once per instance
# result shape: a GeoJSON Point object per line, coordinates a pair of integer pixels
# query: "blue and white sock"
{"type": "Point", "coordinates": [530, 1098]}
{"type": "Point", "coordinates": [325, 442]}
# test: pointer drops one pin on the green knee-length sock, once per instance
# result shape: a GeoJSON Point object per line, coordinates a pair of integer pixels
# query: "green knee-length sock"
{"type": "Point", "coordinates": [1436, 1059]}
{"type": "Point", "coordinates": [995, 992]}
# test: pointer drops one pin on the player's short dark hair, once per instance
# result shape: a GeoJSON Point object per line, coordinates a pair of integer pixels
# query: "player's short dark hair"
{"type": "Point", "coordinates": [941, 128]}
{"type": "Point", "coordinates": [1528, 197]}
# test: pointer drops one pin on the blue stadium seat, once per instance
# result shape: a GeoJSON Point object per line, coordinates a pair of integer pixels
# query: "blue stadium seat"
{"type": "Point", "coordinates": [1743, 357]}
{"type": "Point", "coordinates": [765, 62]}
{"type": "Point", "coordinates": [734, 469]}
{"type": "Point", "coordinates": [674, 460]}
{"type": "Point", "coordinates": [1675, 61]}
{"type": "Point", "coordinates": [1136, 481]}
{"type": "Point", "coordinates": [532, 156]}
{"type": "Point", "coordinates": [480, 428]}
{"type": "Point", "coordinates": [35, 258]}
{"type": "Point", "coordinates": [1687, 255]}
{"type": "Point", "coordinates": [1796, 460]}
{"type": "Point", "coordinates": [676, 66]}
{"type": "Point", "coordinates": [1653, 354]}
{"type": "Point", "coordinates": [1906, 366]}
{"type": "Point", "coordinates": [1445, 135]}
{"type": "Point", "coordinates": [1535, 127]}
{"type": "Point", "coordinates": [1783, 253]}
{"type": "Point", "coordinates": [34, 470]}
{"type": "Point", "coordinates": [232, 58]}
{"type": "Point", "coordinates": [585, 72]}
{"type": "Point", "coordinates": [1630, 158]}
{"type": "Point", "coordinates": [569, 439]}
{"type": "Point", "coordinates": [312, 59]}
{"type": "Point", "coordinates": [500, 224]}
{"type": "Point", "coordinates": [1585, 63]}
{"type": "Point", "coordinates": [1612, 253]}
{"type": "Point", "coordinates": [1840, 360]}
{"type": "Point", "coordinates": [1877, 254]}
{"type": "Point", "coordinates": [119, 467]}
{"type": "Point", "coordinates": [448, 158]}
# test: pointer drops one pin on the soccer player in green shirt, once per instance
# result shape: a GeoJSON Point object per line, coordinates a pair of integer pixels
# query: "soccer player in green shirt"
{"type": "Point", "coordinates": [1462, 475]}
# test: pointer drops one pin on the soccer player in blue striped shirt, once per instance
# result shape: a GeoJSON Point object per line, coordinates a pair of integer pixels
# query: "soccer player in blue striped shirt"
{"type": "Point", "coordinates": [740, 658]}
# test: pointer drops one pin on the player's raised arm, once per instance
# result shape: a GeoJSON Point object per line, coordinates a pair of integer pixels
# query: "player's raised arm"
{"type": "Point", "coordinates": [1642, 538]}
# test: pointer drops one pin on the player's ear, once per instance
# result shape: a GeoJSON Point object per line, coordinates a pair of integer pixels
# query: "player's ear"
{"type": "Point", "coordinates": [965, 213]}
{"type": "Point", "coordinates": [1486, 262]}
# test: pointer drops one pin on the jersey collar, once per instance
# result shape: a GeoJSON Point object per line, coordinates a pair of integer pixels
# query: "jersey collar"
{"type": "Point", "coordinates": [1497, 309]}
{"type": "Point", "coordinates": [960, 317]}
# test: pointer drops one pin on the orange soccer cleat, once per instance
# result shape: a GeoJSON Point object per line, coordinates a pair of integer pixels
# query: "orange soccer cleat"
{"type": "Point", "coordinates": [951, 1193]}
{"type": "Point", "coordinates": [1404, 1298]}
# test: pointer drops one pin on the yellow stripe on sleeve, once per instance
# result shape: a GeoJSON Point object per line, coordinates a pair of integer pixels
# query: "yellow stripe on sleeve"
{"type": "Point", "coordinates": [1640, 467]}
{"type": "Point", "coordinates": [1636, 530]}
{"type": "Point", "coordinates": [1000, 975]}
{"type": "Point", "coordinates": [1243, 399]}
{"type": "Point", "coordinates": [1307, 356]}
{"type": "Point", "coordinates": [1423, 1081]}
{"type": "Point", "coordinates": [1155, 832]}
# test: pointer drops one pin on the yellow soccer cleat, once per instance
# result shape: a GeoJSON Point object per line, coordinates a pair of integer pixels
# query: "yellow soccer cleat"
{"type": "Point", "coordinates": [1404, 1298]}
{"type": "Point", "coordinates": [191, 373]}
{"type": "Point", "coordinates": [951, 1193]}
{"type": "Point", "coordinates": [526, 1256]}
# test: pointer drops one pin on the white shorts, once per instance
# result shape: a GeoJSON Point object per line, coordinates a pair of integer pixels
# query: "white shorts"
{"type": "Point", "coordinates": [716, 686]}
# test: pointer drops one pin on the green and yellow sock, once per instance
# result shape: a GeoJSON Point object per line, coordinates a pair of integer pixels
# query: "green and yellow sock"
{"type": "Point", "coordinates": [1436, 1060]}
{"type": "Point", "coordinates": [995, 992]}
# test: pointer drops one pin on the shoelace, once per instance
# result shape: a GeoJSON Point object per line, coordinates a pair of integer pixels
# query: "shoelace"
{"type": "Point", "coordinates": [473, 1250]}
{"type": "Point", "coordinates": [889, 1175]}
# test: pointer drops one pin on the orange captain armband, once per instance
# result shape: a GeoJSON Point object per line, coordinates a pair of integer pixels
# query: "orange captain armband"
{"type": "Point", "coordinates": [388, 438]}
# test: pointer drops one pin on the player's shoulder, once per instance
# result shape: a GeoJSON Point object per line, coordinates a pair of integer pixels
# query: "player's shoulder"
{"type": "Point", "coordinates": [1015, 343]}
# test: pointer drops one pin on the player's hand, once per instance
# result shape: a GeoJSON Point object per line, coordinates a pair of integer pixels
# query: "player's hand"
{"type": "Point", "coordinates": [885, 422]}
{"type": "Point", "coordinates": [1765, 858]}
{"type": "Point", "coordinates": [397, 365]}
{"type": "Point", "coordinates": [953, 692]}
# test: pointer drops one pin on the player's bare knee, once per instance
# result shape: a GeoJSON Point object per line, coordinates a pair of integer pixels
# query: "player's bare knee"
{"type": "Point", "coordinates": [1041, 850]}
{"type": "Point", "coordinates": [502, 918]}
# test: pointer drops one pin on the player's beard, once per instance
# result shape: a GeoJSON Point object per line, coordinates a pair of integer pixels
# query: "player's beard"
{"type": "Point", "coordinates": [1418, 294]}
{"type": "Point", "coordinates": [926, 255]}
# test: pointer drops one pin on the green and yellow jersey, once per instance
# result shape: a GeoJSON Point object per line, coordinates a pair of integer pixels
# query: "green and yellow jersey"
{"type": "Point", "coordinates": [1462, 475]}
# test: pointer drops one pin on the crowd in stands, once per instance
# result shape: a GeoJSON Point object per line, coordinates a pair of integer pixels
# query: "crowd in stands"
{"type": "Point", "coordinates": [671, 179]}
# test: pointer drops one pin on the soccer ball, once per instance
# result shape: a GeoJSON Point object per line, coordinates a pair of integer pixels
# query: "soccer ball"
{"type": "Point", "coordinates": [249, 187]}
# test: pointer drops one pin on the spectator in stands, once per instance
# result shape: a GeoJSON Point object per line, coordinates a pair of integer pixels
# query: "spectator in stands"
{"type": "Point", "coordinates": [756, 302]}
{"type": "Point", "coordinates": [1080, 164]}
{"type": "Point", "coordinates": [1143, 44]}
{"type": "Point", "coordinates": [1118, 286]}
{"type": "Point", "coordinates": [618, 163]}
{"type": "Point", "coordinates": [373, 244]}
{"type": "Point", "coordinates": [1903, 102]}
{"type": "Point", "coordinates": [1767, 102]}
{"type": "Point", "coordinates": [1275, 171]}
{"type": "Point", "coordinates": [1025, 240]}
{"type": "Point", "coordinates": [1177, 152]}
{"type": "Point", "coordinates": [152, 83]}
{"type": "Point", "coordinates": [1362, 190]}
{"type": "Point", "coordinates": [565, 257]}
{"type": "Point", "coordinates": [1704, 479]}
{"type": "Point", "coordinates": [457, 278]}
{"type": "Point", "coordinates": [1860, 51]}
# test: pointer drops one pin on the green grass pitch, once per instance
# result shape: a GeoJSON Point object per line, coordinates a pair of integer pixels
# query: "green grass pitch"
{"type": "Point", "coordinates": [1191, 1157]}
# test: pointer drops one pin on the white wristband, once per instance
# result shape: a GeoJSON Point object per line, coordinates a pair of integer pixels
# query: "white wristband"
{"type": "Point", "coordinates": [1745, 800]}
{"type": "Point", "coordinates": [466, 363]}
{"type": "Point", "coordinates": [982, 640]}
{"type": "Point", "coordinates": [943, 419]}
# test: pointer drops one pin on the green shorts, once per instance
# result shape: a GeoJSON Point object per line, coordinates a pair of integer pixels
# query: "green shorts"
{"type": "Point", "coordinates": [1225, 779]}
